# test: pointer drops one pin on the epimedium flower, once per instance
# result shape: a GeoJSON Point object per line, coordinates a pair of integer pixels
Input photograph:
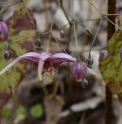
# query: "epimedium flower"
{"type": "Point", "coordinates": [79, 71]}
{"type": "Point", "coordinates": [4, 30]}
{"type": "Point", "coordinates": [44, 61]}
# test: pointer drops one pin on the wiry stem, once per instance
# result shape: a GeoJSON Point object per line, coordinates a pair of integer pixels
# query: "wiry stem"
{"type": "Point", "coordinates": [61, 1]}
{"type": "Point", "coordinates": [59, 43]}
{"type": "Point", "coordinates": [19, 40]}
{"type": "Point", "coordinates": [29, 16]}
{"type": "Point", "coordinates": [52, 27]}
{"type": "Point", "coordinates": [76, 41]}
{"type": "Point", "coordinates": [95, 37]}
{"type": "Point", "coordinates": [71, 4]}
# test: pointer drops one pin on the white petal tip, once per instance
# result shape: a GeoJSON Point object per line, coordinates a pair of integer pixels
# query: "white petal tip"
{"type": "Point", "coordinates": [40, 78]}
{"type": "Point", "coordinates": [94, 73]}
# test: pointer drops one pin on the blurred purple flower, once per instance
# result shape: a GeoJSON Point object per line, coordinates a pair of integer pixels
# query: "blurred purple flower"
{"type": "Point", "coordinates": [121, 52]}
{"type": "Point", "coordinates": [79, 71]}
{"type": "Point", "coordinates": [4, 30]}
{"type": "Point", "coordinates": [45, 61]}
{"type": "Point", "coordinates": [104, 53]}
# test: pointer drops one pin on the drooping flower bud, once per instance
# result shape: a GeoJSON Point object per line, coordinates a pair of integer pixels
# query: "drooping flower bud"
{"type": "Point", "coordinates": [4, 30]}
{"type": "Point", "coordinates": [89, 30]}
{"type": "Point", "coordinates": [79, 70]}
{"type": "Point", "coordinates": [84, 83]}
{"type": "Point", "coordinates": [89, 62]}
{"type": "Point", "coordinates": [62, 34]}
{"type": "Point", "coordinates": [104, 53]}
{"type": "Point", "coordinates": [38, 42]}
{"type": "Point", "coordinates": [121, 52]}
{"type": "Point", "coordinates": [7, 54]}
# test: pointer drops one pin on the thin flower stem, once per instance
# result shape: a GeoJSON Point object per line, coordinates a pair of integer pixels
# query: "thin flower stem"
{"type": "Point", "coordinates": [54, 16]}
{"type": "Point", "coordinates": [80, 24]}
{"type": "Point", "coordinates": [59, 44]}
{"type": "Point", "coordinates": [95, 37]}
{"type": "Point", "coordinates": [94, 7]}
{"type": "Point", "coordinates": [29, 16]}
{"type": "Point", "coordinates": [112, 14]}
{"type": "Point", "coordinates": [61, 1]}
{"type": "Point", "coordinates": [65, 26]}
{"type": "Point", "coordinates": [90, 20]}
{"type": "Point", "coordinates": [75, 33]}
{"type": "Point", "coordinates": [69, 38]}
{"type": "Point", "coordinates": [72, 9]}
{"type": "Point", "coordinates": [48, 43]}
{"type": "Point", "coordinates": [51, 28]}
{"type": "Point", "coordinates": [46, 14]}
{"type": "Point", "coordinates": [76, 41]}
{"type": "Point", "coordinates": [113, 23]}
{"type": "Point", "coordinates": [19, 40]}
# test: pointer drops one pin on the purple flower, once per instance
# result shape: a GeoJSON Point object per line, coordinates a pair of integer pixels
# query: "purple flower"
{"type": "Point", "coordinates": [45, 61]}
{"type": "Point", "coordinates": [121, 52]}
{"type": "Point", "coordinates": [4, 30]}
{"type": "Point", "coordinates": [79, 71]}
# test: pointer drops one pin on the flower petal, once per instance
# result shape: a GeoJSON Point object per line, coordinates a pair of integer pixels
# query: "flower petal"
{"type": "Point", "coordinates": [28, 56]}
{"type": "Point", "coordinates": [61, 57]}
{"type": "Point", "coordinates": [4, 29]}
{"type": "Point", "coordinates": [92, 72]}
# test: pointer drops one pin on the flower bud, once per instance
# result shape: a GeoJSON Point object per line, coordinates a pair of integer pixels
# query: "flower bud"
{"type": "Point", "coordinates": [79, 70]}
{"type": "Point", "coordinates": [38, 42]}
{"type": "Point", "coordinates": [84, 83]}
{"type": "Point", "coordinates": [89, 30]}
{"type": "Point", "coordinates": [62, 34]}
{"type": "Point", "coordinates": [89, 62]}
{"type": "Point", "coordinates": [4, 30]}
{"type": "Point", "coordinates": [7, 54]}
{"type": "Point", "coordinates": [104, 53]}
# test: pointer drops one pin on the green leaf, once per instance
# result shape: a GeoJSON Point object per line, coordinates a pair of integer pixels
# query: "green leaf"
{"type": "Point", "coordinates": [37, 110]}
{"type": "Point", "coordinates": [20, 26]}
{"type": "Point", "coordinates": [6, 112]}
{"type": "Point", "coordinates": [111, 67]}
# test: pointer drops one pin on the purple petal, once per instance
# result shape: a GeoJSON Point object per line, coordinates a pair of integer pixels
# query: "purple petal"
{"type": "Point", "coordinates": [4, 30]}
{"type": "Point", "coordinates": [62, 57]}
{"type": "Point", "coordinates": [32, 56]}
{"type": "Point", "coordinates": [57, 59]}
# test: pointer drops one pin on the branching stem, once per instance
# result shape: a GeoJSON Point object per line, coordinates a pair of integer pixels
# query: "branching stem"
{"type": "Point", "coordinates": [95, 37]}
